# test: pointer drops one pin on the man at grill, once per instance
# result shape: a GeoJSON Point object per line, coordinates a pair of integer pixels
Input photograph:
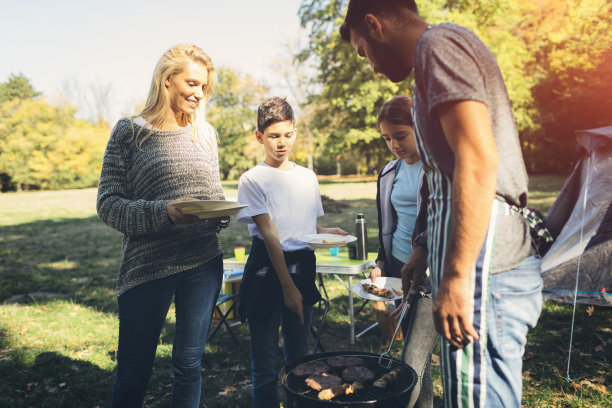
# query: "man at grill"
{"type": "Point", "coordinates": [477, 238]}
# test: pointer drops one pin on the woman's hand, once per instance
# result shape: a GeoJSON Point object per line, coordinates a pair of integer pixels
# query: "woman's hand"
{"type": "Point", "coordinates": [176, 215]}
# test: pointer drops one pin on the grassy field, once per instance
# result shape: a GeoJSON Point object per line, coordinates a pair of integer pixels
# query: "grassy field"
{"type": "Point", "coordinates": [58, 323]}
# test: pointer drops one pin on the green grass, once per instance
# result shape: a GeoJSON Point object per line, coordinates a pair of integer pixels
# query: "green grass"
{"type": "Point", "coordinates": [58, 323]}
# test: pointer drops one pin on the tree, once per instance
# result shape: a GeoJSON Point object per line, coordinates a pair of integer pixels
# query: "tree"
{"type": "Point", "coordinates": [45, 147]}
{"type": "Point", "coordinates": [17, 87]}
{"type": "Point", "coordinates": [94, 101]}
{"type": "Point", "coordinates": [351, 94]}
{"type": "Point", "coordinates": [232, 110]}
{"type": "Point", "coordinates": [555, 57]}
{"type": "Point", "coordinates": [297, 76]}
{"type": "Point", "coordinates": [573, 66]}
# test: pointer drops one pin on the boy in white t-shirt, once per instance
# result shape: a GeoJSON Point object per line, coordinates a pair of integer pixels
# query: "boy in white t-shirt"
{"type": "Point", "coordinates": [278, 285]}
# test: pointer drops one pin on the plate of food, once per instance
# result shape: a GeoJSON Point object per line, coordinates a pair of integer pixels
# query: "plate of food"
{"type": "Point", "coordinates": [328, 240]}
{"type": "Point", "coordinates": [209, 208]}
{"type": "Point", "coordinates": [384, 289]}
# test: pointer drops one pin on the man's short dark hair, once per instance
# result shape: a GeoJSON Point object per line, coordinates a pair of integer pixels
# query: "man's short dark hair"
{"type": "Point", "coordinates": [273, 110]}
{"type": "Point", "coordinates": [357, 10]}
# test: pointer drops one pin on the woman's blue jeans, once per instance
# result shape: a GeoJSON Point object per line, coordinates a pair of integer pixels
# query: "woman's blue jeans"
{"type": "Point", "coordinates": [142, 313]}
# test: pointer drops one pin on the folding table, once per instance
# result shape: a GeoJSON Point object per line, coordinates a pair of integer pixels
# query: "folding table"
{"type": "Point", "coordinates": [337, 266]}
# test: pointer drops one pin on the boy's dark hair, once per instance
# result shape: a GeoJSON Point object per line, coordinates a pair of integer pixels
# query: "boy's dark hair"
{"type": "Point", "coordinates": [273, 110]}
{"type": "Point", "coordinates": [397, 110]}
{"type": "Point", "coordinates": [357, 10]}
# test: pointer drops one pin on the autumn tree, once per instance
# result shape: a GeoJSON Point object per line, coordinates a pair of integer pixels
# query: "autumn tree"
{"type": "Point", "coordinates": [298, 77]}
{"type": "Point", "coordinates": [44, 147]}
{"type": "Point", "coordinates": [555, 58]}
{"type": "Point", "coordinates": [232, 110]}
{"type": "Point", "coordinates": [572, 68]}
{"type": "Point", "coordinates": [350, 95]}
{"type": "Point", "coordinates": [17, 87]}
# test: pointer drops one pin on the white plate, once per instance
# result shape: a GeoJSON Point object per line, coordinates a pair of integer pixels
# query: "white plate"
{"type": "Point", "coordinates": [333, 240]}
{"type": "Point", "coordinates": [382, 282]}
{"type": "Point", "coordinates": [209, 208]}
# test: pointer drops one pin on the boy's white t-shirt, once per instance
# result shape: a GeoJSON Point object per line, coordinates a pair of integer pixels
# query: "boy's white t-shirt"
{"type": "Point", "coordinates": [291, 198]}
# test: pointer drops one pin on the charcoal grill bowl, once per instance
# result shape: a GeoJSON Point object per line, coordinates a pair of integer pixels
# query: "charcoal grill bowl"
{"type": "Point", "coordinates": [297, 399]}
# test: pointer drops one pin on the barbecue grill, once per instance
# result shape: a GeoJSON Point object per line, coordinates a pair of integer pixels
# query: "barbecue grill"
{"type": "Point", "coordinates": [299, 395]}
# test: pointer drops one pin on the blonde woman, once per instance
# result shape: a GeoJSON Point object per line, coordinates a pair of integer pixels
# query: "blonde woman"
{"type": "Point", "coordinates": [162, 155]}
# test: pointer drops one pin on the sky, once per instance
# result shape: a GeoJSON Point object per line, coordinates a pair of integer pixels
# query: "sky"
{"type": "Point", "coordinates": [116, 44]}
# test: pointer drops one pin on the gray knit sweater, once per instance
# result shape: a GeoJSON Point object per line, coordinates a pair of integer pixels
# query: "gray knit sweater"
{"type": "Point", "coordinates": [135, 186]}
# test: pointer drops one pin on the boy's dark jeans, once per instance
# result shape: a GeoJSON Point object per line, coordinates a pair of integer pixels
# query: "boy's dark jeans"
{"type": "Point", "coordinates": [264, 352]}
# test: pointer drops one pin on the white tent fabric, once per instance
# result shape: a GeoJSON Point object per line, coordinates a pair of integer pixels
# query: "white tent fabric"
{"type": "Point", "coordinates": [581, 221]}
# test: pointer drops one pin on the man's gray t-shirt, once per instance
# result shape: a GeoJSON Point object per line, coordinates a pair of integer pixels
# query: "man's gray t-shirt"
{"type": "Point", "coordinates": [452, 64]}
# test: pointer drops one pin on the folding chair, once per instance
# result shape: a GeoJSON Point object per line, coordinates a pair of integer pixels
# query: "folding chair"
{"type": "Point", "coordinates": [223, 298]}
{"type": "Point", "coordinates": [316, 331]}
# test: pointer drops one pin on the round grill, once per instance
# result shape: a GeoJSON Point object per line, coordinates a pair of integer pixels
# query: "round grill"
{"type": "Point", "coordinates": [396, 395]}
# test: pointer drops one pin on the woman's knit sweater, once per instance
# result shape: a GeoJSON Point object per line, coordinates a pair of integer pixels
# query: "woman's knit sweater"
{"type": "Point", "coordinates": [135, 185]}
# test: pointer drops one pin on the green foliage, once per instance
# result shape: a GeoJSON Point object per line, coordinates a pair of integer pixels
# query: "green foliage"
{"type": "Point", "coordinates": [573, 66]}
{"type": "Point", "coordinates": [17, 87]}
{"type": "Point", "coordinates": [232, 110]}
{"type": "Point", "coordinates": [351, 95]}
{"type": "Point", "coordinates": [45, 147]}
{"type": "Point", "coordinates": [556, 59]}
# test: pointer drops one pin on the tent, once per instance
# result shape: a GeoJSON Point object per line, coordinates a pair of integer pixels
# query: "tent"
{"type": "Point", "coordinates": [579, 262]}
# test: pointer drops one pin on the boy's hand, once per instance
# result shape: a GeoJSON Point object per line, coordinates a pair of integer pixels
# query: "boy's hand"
{"type": "Point", "coordinates": [334, 230]}
{"type": "Point", "coordinates": [293, 300]}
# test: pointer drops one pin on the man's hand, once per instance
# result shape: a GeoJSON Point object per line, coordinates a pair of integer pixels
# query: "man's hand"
{"type": "Point", "coordinates": [452, 311]}
{"type": "Point", "coordinates": [414, 271]}
{"type": "Point", "coordinates": [293, 300]}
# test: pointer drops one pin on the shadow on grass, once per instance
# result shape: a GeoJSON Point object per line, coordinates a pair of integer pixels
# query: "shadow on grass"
{"type": "Point", "coordinates": [51, 380]}
{"type": "Point", "coordinates": [75, 259]}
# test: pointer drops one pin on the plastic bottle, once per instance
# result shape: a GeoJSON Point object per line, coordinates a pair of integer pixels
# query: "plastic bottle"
{"type": "Point", "coordinates": [361, 232]}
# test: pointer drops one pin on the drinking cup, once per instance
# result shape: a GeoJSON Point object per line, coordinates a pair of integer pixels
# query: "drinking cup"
{"type": "Point", "coordinates": [239, 254]}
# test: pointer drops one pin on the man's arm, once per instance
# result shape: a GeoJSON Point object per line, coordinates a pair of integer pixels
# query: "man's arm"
{"type": "Point", "coordinates": [291, 294]}
{"type": "Point", "coordinates": [468, 132]}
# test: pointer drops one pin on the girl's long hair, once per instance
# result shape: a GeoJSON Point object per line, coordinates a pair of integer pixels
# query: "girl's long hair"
{"type": "Point", "coordinates": [397, 110]}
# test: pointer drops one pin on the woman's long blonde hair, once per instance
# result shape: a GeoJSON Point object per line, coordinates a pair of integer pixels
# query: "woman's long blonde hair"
{"type": "Point", "coordinates": [173, 62]}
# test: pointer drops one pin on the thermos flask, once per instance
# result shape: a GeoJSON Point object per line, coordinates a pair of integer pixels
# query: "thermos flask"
{"type": "Point", "coordinates": [361, 233]}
